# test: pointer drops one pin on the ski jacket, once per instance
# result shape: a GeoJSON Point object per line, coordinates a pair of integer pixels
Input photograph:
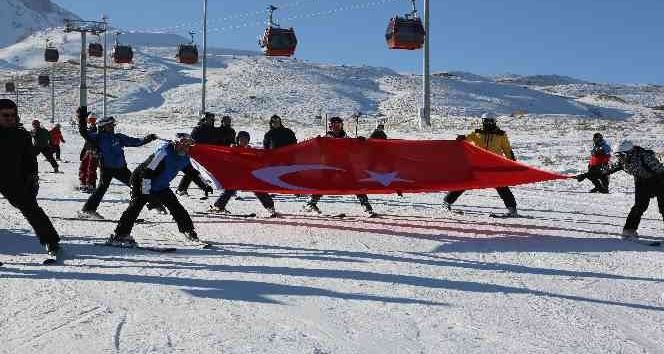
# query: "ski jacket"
{"type": "Point", "coordinates": [205, 134]}
{"type": "Point", "coordinates": [56, 137]}
{"type": "Point", "coordinates": [42, 137]}
{"type": "Point", "coordinates": [640, 163]}
{"type": "Point", "coordinates": [110, 146]}
{"type": "Point", "coordinates": [341, 134]}
{"type": "Point", "coordinates": [160, 169]}
{"type": "Point", "coordinates": [600, 154]}
{"type": "Point", "coordinates": [495, 141]}
{"type": "Point", "coordinates": [378, 134]}
{"type": "Point", "coordinates": [17, 158]}
{"type": "Point", "coordinates": [279, 137]}
{"type": "Point", "coordinates": [225, 136]}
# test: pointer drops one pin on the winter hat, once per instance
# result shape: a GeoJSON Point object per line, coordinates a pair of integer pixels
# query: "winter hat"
{"type": "Point", "coordinates": [598, 136]}
{"type": "Point", "coordinates": [336, 120]}
{"type": "Point", "coordinates": [625, 146]}
{"type": "Point", "coordinates": [7, 104]}
{"type": "Point", "coordinates": [36, 122]}
{"type": "Point", "coordinates": [242, 134]}
{"type": "Point", "coordinates": [106, 121]}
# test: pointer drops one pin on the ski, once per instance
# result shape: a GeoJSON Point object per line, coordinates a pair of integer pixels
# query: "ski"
{"type": "Point", "coordinates": [508, 216]}
{"type": "Point", "coordinates": [211, 213]}
{"type": "Point", "coordinates": [644, 242]}
{"type": "Point", "coordinates": [138, 221]}
{"type": "Point", "coordinates": [141, 248]}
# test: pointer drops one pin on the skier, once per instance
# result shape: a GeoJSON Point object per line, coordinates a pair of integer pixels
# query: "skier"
{"type": "Point", "coordinates": [204, 133]}
{"type": "Point", "coordinates": [491, 138]}
{"type": "Point", "coordinates": [110, 147]}
{"type": "Point", "coordinates": [42, 140]}
{"type": "Point", "coordinates": [600, 156]}
{"type": "Point", "coordinates": [278, 135]}
{"type": "Point", "coordinates": [379, 132]}
{"type": "Point", "coordinates": [226, 132]}
{"type": "Point", "coordinates": [87, 171]}
{"type": "Point", "coordinates": [56, 140]}
{"type": "Point", "coordinates": [243, 139]}
{"type": "Point", "coordinates": [648, 174]}
{"type": "Point", "coordinates": [337, 131]}
{"type": "Point", "coordinates": [19, 182]}
{"type": "Point", "coordinates": [150, 182]}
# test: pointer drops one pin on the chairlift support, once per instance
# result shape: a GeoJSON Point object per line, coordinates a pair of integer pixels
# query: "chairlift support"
{"type": "Point", "coordinates": [406, 32]}
{"type": "Point", "coordinates": [188, 52]}
{"type": "Point", "coordinates": [277, 41]}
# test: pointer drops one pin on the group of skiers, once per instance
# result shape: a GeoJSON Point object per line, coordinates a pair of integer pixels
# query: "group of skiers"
{"type": "Point", "coordinates": [150, 182]}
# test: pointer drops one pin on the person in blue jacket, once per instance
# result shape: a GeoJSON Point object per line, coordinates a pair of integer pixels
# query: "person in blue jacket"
{"type": "Point", "coordinates": [110, 147]}
{"type": "Point", "coordinates": [151, 181]}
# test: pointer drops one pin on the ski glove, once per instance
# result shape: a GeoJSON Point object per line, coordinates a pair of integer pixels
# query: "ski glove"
{"type": "Point", "coordinates": [208, 189]}
{"type": "Point", "coordinates": [146, 186]}
{"type": "Point", "coordinates": [150, 137]}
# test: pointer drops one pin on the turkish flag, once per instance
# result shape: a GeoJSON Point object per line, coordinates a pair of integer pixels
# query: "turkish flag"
{"type": "Point", "coordinates": [354, 166]}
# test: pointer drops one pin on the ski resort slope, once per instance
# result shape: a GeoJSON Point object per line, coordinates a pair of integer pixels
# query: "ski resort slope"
{"type": "Point", "coordinates": [416, 280]}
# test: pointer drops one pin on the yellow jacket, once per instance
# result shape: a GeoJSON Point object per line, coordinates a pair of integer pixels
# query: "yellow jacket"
{"type": "Point", "coordinates": [494, 141]}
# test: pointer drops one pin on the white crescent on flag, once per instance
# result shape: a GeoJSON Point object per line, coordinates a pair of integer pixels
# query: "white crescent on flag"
{"type": "Point", "coordinates": [273, 174]}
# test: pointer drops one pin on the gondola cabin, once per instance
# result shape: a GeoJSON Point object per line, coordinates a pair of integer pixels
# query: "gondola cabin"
{"type": "Point", "coordinates": [10, 87]}
{"type": "Point", "coordinates": [278, 42]}
{"type": "Point", "coordinates": [123, 54]}
{"type": "Point", "coordinates": [51, 55]}
{"type": "Point", "coordinates": [187, 54]}
{"type": "Point", "coordinates": [405, 33]}
{"type": "Point", "coordinates": [95, 50]}
{"type": "Point", "coordinates": [43, 80]}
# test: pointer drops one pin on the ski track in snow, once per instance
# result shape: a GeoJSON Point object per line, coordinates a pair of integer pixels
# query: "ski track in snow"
{"type": "Point", "coordinates": [416, 280]}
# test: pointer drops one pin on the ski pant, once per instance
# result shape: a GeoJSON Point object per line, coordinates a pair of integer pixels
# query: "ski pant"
{"type": "Point", "coordinates": [165, 197]}
{"type": "Point", "coordinates": [504, 192]}
{"type": "Point", "coordinates": [598, 178]}
{"type": "Point", "coordinates": [26, 202]}
{"type": "Point", "coordinates": [107, 174]}
{"type": "Point", "coordinates": [184, 183]}
{"type": "Point", "coordinates": [56, 151]}
{"type": "Point", "coordinates": [48, 154]}
{"type": "Point", "coordinates": [645, 189]}
{"type": "Point", "coordinates": [362, 198]}
{"type": "Point", "coordinates": [265, 199]}
{"type": "Point", "coordinates": [87, 172]}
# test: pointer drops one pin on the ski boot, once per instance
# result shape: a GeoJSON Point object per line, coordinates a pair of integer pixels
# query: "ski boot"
{"type": "Point", "coordinates": [628, 234]}
{"type": "Point", "coordinates": [217, 210]}
{"type": "Point", "coordinates": [90, 215]}
{"type": "Point", "coordinates": [125, 241]}
{"type": "Point", "coordinates": [312, 208]}
{"type": "Point", "coordinates": [54, 250]}
{"type": "Point", "coordinates": [512, 213]}
{"type": "Point", "coordinates": [191, 235]}
{"type": "Point", "coordinates": [273, 213]}
{"type": "Point", "coordinates": [368, 211]}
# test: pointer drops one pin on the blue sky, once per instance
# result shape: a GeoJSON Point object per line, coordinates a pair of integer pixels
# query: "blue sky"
{"type": "Point", "coordinates": [599, 40]}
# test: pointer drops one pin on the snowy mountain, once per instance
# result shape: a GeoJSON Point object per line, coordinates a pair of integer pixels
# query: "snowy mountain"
{"type": "Point", "coordinates": [21, 18]}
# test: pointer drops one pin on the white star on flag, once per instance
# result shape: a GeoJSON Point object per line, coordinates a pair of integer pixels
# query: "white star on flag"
{"type": "Point", "coordinates": [384, 179]}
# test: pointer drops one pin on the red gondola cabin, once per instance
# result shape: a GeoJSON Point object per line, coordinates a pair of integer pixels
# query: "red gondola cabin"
{"type": "Point", "coordinates": [95, 50]}
{"type": "Point", "coordinates": [405, 33]}
{"type": "Point", "coordinates": [278, 42]}
{"type": "Point", "coordinates": [123, 54]}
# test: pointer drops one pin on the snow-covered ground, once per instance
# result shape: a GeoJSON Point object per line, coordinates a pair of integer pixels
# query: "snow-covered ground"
{"type": "Point", "coordinates": [417, 280]}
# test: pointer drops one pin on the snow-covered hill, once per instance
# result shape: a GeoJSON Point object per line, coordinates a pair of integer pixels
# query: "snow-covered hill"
{"type": "Point", "coordinates": [20, 18]}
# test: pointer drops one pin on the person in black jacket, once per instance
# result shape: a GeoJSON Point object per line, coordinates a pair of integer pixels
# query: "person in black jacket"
{"type": "Point", "coordinates": [19, 181]}
{"type": "Point", "coordinates": [204, 133]}
{"type": "Point", "coordinates": [226, 132]}
{"type": "Point", "coordinates": [42, 144]}
{"type": "Point", "coordinates": [379, 132]}
{"type": "Point", "coordinates": [337, 131]}
{"type": "Point", "coordinates": [278, 135]}
{"type": "Point", "coordinates": [648, 174]}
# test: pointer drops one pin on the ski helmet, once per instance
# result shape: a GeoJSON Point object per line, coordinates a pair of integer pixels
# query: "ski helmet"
{"type": "Point", "coordinates": [625, 146]}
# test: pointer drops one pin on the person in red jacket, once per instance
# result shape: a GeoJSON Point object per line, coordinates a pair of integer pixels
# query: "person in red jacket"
{"type": "Point", "coordinates": [56, 140]}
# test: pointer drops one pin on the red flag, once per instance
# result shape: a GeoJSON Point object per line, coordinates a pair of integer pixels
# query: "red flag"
{"type": "Point", "coordinates": [353, 166]}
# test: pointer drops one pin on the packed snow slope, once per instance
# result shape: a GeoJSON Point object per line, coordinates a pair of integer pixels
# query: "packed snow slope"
{"type": "Point", "coordinates": [20, 18]}
{"type": "Point", "coordinates": [416, 280]}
